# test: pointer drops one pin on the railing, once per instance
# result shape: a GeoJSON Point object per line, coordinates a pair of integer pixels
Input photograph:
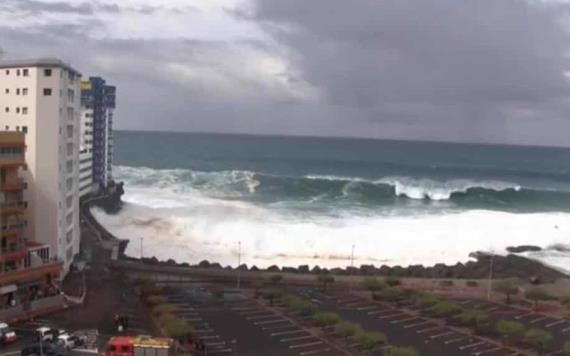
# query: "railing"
{"type": "Point", "coordinates": [15, 185]}
{"type": "Point", "coordinates": [13, 226]}
{"type": "Point", "coordinates": [19, 204]}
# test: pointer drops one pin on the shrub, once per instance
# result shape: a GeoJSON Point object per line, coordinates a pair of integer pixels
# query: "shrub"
{"type": "Point", "coordinates": [426, 300]}
{"type": "Point", "coordinates": [325, 279]}
{"type": "Point", "coordinates": [276, 278]}
{"type": "Point", "coordinates": [508, 288]}
{"type": "Point", "coordinates": [301, 306]}
{"type": "Point", "coordinates": [472, 284]}
{"type": "Point", "coordinates": [445, 309]}
{"type": "Point", "coordinates": [540, 339]}
{"type": "Point", "coordinates": [390, 293]}
{"type": "Point", "coordinates": [346, 329]}
{"type": "Point", "coordinates": [160, 309]}
{"type": "Point", "coordinates": [446, 283]}
{"type": "Point", "coordinates": [324, 319]}
{"type": "Point", "coordinates": [510, 330]}
{"type": "Point", "coordinates": [392, 281]}
{"type": "Point", "coordinates": [272, 294]}
{"type": "Point", "coordinates": [373, 285]}
{"type": "Point", "coordinates": [472, 318]}
{"type": "Point", "coordinates": [402, 351]}
{"type": "Point", "coordinates": [177, 329]}
{"type": "Point", "coordinates": [148, 288]}
{"type": "Point", "coordinates": [537, 295]}
{"type": "Point", "coordinates": [153, 300]}
{"type": "Point", "coordinates": [370, 340]}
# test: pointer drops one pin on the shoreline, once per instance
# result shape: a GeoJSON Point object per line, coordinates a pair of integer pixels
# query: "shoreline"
{"type": "Point", "coordinates": [509, 266]}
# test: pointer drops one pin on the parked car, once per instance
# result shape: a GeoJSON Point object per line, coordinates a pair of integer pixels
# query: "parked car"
{"type": "Point", "coordinates": [45, 348]}
{"type": "Point", "coordinates": [7, 335]}
{"type": "Point", "coordinates": [70, 341]}
{"type": "Point", "coordinates": [47, 334]}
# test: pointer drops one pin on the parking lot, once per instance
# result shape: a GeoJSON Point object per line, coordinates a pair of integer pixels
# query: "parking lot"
{"type": "Point", "coordinates": [405, 328]}
{"type": "Point", "coordinates": [239, 324]}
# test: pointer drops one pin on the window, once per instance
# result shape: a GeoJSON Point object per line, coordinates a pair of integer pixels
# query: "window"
{"type": "Point", "coordinates": [25, 111]}
{"type": "Point", "coordinates": [7, 72]}
{"type": "Point", "coordinates": [26, 72]}
{"type": "Point", "coordinates": [7, 128]}
{"type": "Point", "coordinates": [17, 128]}
{"type": "Point", "coordinates": [18, 72]}
{"type": "Point", "coordinates": [7, 91]}
{"type": "Point", "coordinates": [25, 129]}
{"type": "Point", "coordinates": [69, 202]}
{"type": "Point", "coordinates": [17, 91]}
{"type": "Point", "coordinates": [17, 110]}
{"type": "Point", "coordinates": [7, 109]}
{"type": "Point", "coordinates": [25, 91]}
{"type": "Point", "coordinates": [47, 72]}
{"type": "Point", "coordinates": [47, 92]}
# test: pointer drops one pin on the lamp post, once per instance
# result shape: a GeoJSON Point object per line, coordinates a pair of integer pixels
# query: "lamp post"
{"type": "Point", "coordinates": [239, 264]}
{"type": "Point", "coordinates": [351, 269]}
{"type": "Point", "coordinates": [489, 283]}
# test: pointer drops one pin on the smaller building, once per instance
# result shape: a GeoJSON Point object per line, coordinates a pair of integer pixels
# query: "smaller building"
{"type": "Point", "coordinates": [28, 272]}
{"type": "Point", "coordinates": [86, 152]}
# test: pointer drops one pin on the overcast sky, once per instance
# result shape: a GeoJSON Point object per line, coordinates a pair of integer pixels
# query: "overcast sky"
{"type": "Point", "coordinates": [457, 70]}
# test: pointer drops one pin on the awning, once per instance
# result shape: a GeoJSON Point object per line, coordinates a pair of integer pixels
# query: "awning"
{"type": "Point", "coordinates": [11, 288]}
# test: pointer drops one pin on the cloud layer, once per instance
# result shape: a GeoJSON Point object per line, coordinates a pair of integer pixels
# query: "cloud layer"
{"type": "Point", "coordinates": [485, 71]}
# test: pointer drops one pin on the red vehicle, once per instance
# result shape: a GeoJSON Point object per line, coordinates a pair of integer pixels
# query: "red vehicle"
{"type": "Point", "coordinates": [139, 346]}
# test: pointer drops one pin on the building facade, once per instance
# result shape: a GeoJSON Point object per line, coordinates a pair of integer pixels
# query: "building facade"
{"type": "Point", "coordinates": [99, 98]}
{"type": "Point", "coordinates": [27, 270]}
{"type": "Point", "coordinates": [86, 152]}
{"type": "Point", "coordinates": [41, 98]}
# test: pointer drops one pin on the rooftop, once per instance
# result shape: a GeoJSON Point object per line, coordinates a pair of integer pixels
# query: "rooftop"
{"type": "Point", "coordinates": [37, 62]}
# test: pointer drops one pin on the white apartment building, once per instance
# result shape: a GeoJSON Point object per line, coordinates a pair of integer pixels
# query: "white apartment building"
{"type": "Point", "coordinates": [41, 98]}
{"type": "Point", "coordinates": [86, 152]}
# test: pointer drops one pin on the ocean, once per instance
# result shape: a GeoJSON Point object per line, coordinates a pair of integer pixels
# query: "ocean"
{"type": "Point", "coordinates": [289, 201]}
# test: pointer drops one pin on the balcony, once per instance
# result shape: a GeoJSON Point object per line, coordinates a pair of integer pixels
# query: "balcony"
{"type": "Point", "coordinates": [13, 185]}
{"type": "Point", "coordinates": [13, 160]}
{"type": "Point", "coordinates": [9, 228]}
{"type": "Point", "coordinates": [13, 207]}
{"type": "Point", "coordinates": [37, 270]}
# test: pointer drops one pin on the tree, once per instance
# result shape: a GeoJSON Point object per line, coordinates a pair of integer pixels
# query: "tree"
{"type": "Point", "coordinates": [153, 300]}
{"type": "Point", "coordinates": [390, 293]}
{"type": "Point", "coordinates": [257, 286]}
{"type": "Point", "coordinates": [402, 351]}
{"type": "Point", "coordinates": [540, 339]}
{"type": "Point", "coordinates": [271, 295]}
{"type": "Point", "coordinates": [370, 340]}
{"type": "Point", "coordinates": [473, 318]}
{"type": "Point", "coordinates": [346, 329]}
{"type": "Point", "coordinates": [373, 285]}
{"type": "Point", "coordinates": [325, 279]}
{"type": "Point", "coordinates": [324, 319]}
{"type": "Point", "coordinates": [426, 300]}
{"type": "Point", "coordinates": [163, 309]}
{"type": "Point", "coordinates": [177, 329]}
{"type": "Point", "coordinates": [392, 281]}
{"type": "Point", "coordinates": [506, 287]}
{"type": "Point", "coordinates": [510, 330]}
{"type": "Point", "coordinates": [276, 278]}
{"type": "Point", "coordinates": [537, 295]}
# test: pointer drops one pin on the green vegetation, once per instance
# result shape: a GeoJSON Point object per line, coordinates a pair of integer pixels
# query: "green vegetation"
{"type": "Point", "coordinates": [325, 279]}
{"type": "Point", "coordinates": [392, 281]}
{"type": "Point", "coordinates": [177, 329]}
{"type": "Point", "coordinates": [390, 293]}
{"type": "Point", "coordinates": [510, 330]}
{"type": "Point", "coordinates": [473, 318]}
{"type": "Point", "coordinates": [373, 285]}
{"type": "Point", "coordinates": [346, 329]}
{"type": "Point", "coordinates": [257, 286]}
{"type": "Point", "coordinates": [540, 339]}
{"type": "Point", "coordinates": [153, 300]}
{"type": "Point", "coordinates": [402, 351]}
{"type": "Point", "coordinates": [537, 295]}
{"type": "Point", "coordinates": [161, 309]}
{"type": "Point", "coordinates": [370, 340]}
{"type": "Point", "coordinates": [506, 287]}
{"type": "Point", "coordinates": [446, 283]}
{"type": "Point", "coordinates": [472, 284]}
{"type": "Point", "coordinates": [272, 295]}
{"type": "Point", "coordinates": [324, 319]}
{"type": "Point", "coordinates": [444, 309]}
{"type": "Point", "coordinates": [299, 305]}
{"type": "Point", "coordinates": [426, 300]}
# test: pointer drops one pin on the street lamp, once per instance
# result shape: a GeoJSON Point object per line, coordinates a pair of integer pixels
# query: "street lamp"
{"type": "Point", "coordinates": [351, 268]}
{"type": "Point", "coordinates": [239, 264]}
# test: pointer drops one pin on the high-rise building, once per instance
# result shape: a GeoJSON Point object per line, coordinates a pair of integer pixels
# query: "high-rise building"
{"type": "Point", "coordinates": [98, 98]}
{"type": "Point", "coordinates": [27, 271]}
{"type": "Point", "coordinates": [41, 98]}
{"type": "Point", "coordinates": [85, 152]}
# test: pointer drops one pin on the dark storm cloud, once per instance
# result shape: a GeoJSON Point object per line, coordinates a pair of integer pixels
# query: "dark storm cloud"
{"type": "Point", "coordinates": [436, 60]}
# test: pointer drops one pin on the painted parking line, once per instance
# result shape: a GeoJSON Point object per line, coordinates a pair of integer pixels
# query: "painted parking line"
{"type": "Point", "coordinates": [202, 331]}
{"type": "Point", "coordinates": [566, 330]}
{"type": "Point", "coordinates": [208, 337]}
{"type": "Point", "coordinates": [464, 302]}
{"type": "Point", "coordinates": [428, 329]}
{"type": "Point", "coordinates": [471, 346]}
{"type": "Point", "coordinates": [192, 319]}
{"type": "Point", "coordinates": [252, 313]}
{"type": "Point", "coordinates": [524, 315]}
{"type": "Point", "coordinates": [404, 320]}
{"type": "Point", "coordinates": [369, 307]}
{"type": "Point", "coordinates": [290, 332]}
{"type": "Point", "coordinates": [275, 321]}
{"type": "Point", "coordinates": [279, 327]}
{"type": "Point", "coordinates": [309, 344]}
{"type": "Point", "coordinates": [452, 341]}
{"type": "Point", "coordinates": [490, 309]}
{"type": "Point", "coordinates": [214, 344]}
{"type": "Point", "coordinates": [312, 352]}
{"type": "Point", "coordinates": [261, 317]}
{"type": "Point", "coordinates": [442, 334]}
{"type": "Point", "coordinates": [486, 351]}
{"type": "Point", "coordinates": [557, 322]}
{"type": "Point", "coordinates": [538, 319]}
{"type": "Point", "coordinates": [297, 338]}
{"type": "Point", "coordinates": [380, 311]}
{"type": "Point", "coordinates": [245, 308]}
{"type": "Point", "coordinates": [392, 315]}
{"type": "Point", "coordinates": [417, 324]}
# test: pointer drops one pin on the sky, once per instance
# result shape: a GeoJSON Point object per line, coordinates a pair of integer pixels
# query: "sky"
{"type": "Point", "coordinates": [495, 71]}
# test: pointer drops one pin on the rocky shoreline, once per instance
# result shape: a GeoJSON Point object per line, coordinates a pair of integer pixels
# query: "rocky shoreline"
{"type": "Point", "coordinates": [509, 266]}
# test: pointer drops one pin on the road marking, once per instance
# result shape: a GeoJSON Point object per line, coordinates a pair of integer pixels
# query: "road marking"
{"type": "Point", "coordinates": [558, 322]}
{"type": "Point", "coordinates": [523, 315]}
{"type": "Point", "coordinates": [442, 334]}
{"type": "Point", "coordinates": [485, 351]}
{"type": "Point", "coordinates": [403, 320]}
{"type": "Point", "coordinates": [313, 352]}
{"type": "Point", "coordinates": [203, 331]}
{"type": "Point", "coordinates": [380, 311]}
{"type": "Point", "coordinates": [271, 322]}
{"type": "Point", "coordinates": [428, 329]}
{"type": "Point", "coordinates": [417, 324]}
{"type": "Point", "coordinates": [370, 307]}
{"type": "Point", "coordinates": [391, 315]}
{"type": "Point", "coordinates": [279, 327]}
{"type": "Point", "coordinates": [193, 319]}
{"type": "Point", "coordinates": [538, 319]}
{"type": "Point", "coordinates": [211, 344]}
{"type": "Point", "coordinates": [288, 332]}
{"type": "Point", "coordinates": [305, 345]}
{"type": "Point", "coordinates": [251, 313]}
{"type": "Point", "coordinates": [297, 338]}
{"type": "Point", "coordinates": [565, 330]}
{"type": "Point", "coordinates": [454, 340]}
{"type": "Point", "coordinates": [464, 302]}
{"type": "Point", "coordinates": [490, 309]}
{"type": "Point", "coordinates": [244, 308]}
{"type": "Point", "coordinates": [472, 345]}
{"type": "Point", "coordinates": [209, 337]}
{"type": "Point", "coordinates": [260, 317]}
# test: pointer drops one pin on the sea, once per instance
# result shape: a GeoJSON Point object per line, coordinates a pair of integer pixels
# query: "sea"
{"type": "Point", "coordinates": [335, 202]}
